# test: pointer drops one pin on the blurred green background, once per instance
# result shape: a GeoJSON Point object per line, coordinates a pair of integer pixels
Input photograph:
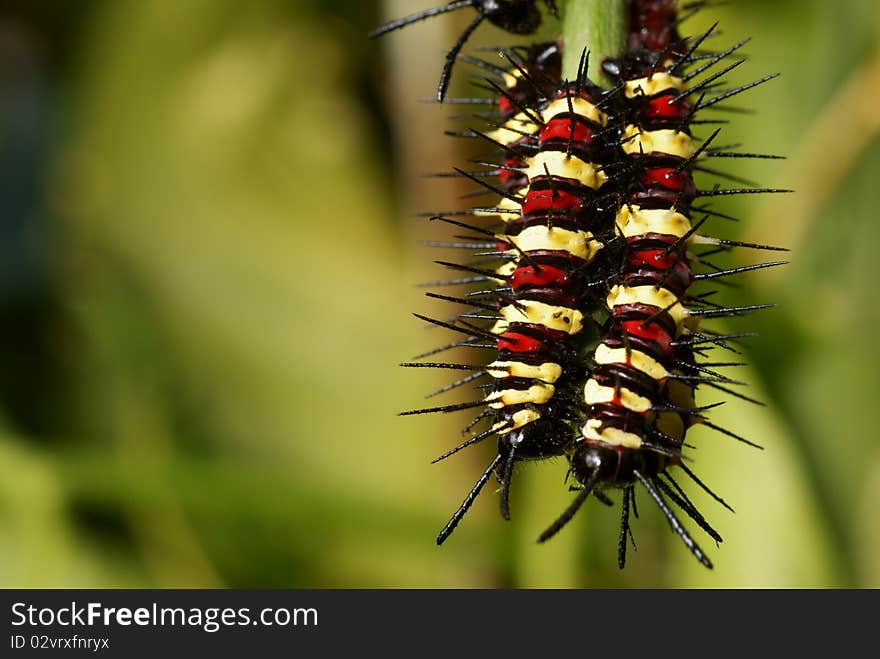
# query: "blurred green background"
{"type": "Point", "coordinates": [209, 248]}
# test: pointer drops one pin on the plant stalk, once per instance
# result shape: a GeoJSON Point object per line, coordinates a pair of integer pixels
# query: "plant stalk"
{"type": "Point", "coordinates": [599, 26]}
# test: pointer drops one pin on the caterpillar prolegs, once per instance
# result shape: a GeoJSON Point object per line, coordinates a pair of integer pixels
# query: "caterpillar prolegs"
{"type": "Point", "coordinates": [591, 267]}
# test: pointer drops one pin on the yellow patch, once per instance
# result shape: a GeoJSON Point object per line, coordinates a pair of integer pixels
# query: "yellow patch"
{"type": "Point", "coordinates": [579, 106]}
{"type": "Point", "coordinates": [542, 237]}
{"type": "Point", "coordinates": [500, 327]}
{"type": "Point", "coordinates": [511, 78]}
{"type": "Point", "coordinates": [507, 269]}
{"type": "Point", "coordinates": [637, 359]}
{"type": "Point", "coordinates": [671, 142]}
{"type": "Point", "coordinates": [654, 84]}
{"type": "Point", "coordinates": [571, 167]}
{"type": "Point", "coordinates": [507, 210]}
{"type": "Point", "coordinates": [546, 372]}
{"type": "Point", "coordinates": [520, 418]}
{"type": "Point", "coordinates": [633, 221]}
{"type": "Point", "coordinates": [650, 295]}
{"type": "Point", "coordinates": [595, 393]}
{"type": "Point", "coordinates": [537, 393]}
{"type": "Point", "coordinates": [562, 319]}
{"type": "Point", "coordinates": [615, 436]}
{"type": "Point", "coordinates": [515, 128]}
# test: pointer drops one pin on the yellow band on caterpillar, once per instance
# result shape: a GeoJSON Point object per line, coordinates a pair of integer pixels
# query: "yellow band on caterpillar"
{"type": "Point", "coordinates": [671, 142]}
{"type": "Point", "coordinates": [557, 163]}
{"type": "Point", "coordinates": [542, 237]}
{"type": "Point", "coordinates": [562, 319]}
{"type": "Point", "coordinates": [506, 210]}
{"type": "Point", "coordinates": [595, 393]}
{"type": "Point", "coordinates": [511, 78]}
{"type": "Point", "coordinates": [654, 84]}
{"type": "Point", "coordinates": [635, 358]}
{"type": "Point", "coordinates": [650, 295]}
{"type": "Point", "coordinates": [579, 106]}
{"type": "Point", "coordinates": [546, 372]}
{"type": "Point", "coordinates": [537, 393]}
{"type": "Point", "coordinates": [520, 418]}
{"type": "Point", "coordinates": [515, 128]}
{"type": "Point", "coordinates": [633, 221]}
{"type": "Point", "coordinates": [500, 327]}
{"type": "Point", "coordinates": [615, 436]}
{"type": "Point", "coordinates": [507, 269]}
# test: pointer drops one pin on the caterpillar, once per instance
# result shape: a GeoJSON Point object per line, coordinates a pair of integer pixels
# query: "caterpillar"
{"type": "Point", "coordinates": [639, 400]}
{"type": "Point", "coordinates": [540, 306]}
{"type": "Point", "coordinates": [514, 16]}
{"type": "Point", "coordinates": [589, 265]}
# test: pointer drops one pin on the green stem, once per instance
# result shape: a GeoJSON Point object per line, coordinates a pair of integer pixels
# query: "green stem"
{"type": "Point", "coordinates": [597, 25]}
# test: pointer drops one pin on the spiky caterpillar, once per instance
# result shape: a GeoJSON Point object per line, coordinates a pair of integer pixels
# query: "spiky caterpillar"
{"type": "Point", "coordinates": [639, 399]}
{"type": "Point", "coordinates": [549, 211]}
{"type": "Point", "coordinates": [636, 391]}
